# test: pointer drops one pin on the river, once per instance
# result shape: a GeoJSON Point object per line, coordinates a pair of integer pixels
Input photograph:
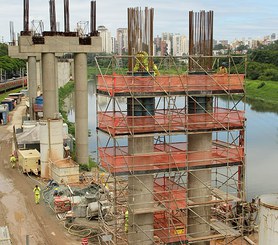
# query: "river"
{"type": "Point", "coordinates": [261, 144]}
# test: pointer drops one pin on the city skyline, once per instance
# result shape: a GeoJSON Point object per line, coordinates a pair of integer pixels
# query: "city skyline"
{"type": "Point", "coordinates": [232, 20]}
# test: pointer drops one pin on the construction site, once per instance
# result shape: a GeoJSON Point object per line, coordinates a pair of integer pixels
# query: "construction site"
{"type": "Point", "coordinates": [174, 153]}
{"type": "Point", "coordinates": [171, 138]}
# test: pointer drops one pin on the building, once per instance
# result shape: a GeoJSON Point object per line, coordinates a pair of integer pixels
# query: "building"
{"type": "Point", "coordinates": [122, 41]}
{"type": "Point", "coordinates": [105, 35]}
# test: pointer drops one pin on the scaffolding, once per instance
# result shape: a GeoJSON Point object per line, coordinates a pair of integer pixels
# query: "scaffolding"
{"type": "Point", "coordinates": [127, 120]}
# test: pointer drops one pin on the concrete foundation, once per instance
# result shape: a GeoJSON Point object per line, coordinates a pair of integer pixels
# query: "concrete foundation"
{"type": "Point", "coordinates": [50, 90]}
{"type": "Point", "coordinates": [51, 144]}
{"type": "Point", "coordinates": [81, 107]}
{"type": "Point", "coordinates": [140, 228]}
{"type": "Point", "coordinates": [32, 83]}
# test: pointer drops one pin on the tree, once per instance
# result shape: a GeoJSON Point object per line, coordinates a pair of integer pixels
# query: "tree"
{"type": "Point", "coordinates": [3, 49]}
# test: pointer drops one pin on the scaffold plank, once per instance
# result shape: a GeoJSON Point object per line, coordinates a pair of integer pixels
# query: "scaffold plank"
{"type": "Point", "coordinates": [148, 210]}
{"type": "Point", "coordinates": [224, 229]}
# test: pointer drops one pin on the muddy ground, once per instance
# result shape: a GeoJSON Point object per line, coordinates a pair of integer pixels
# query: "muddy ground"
{"type": "Point", "coordinates": [18, 210]}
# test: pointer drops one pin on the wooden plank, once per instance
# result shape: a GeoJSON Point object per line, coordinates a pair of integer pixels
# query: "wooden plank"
{"type": "Point", "coordinates": [224, 229]}
{"type": "Point", "coordinates": [204, 238]}
{"type": "Point", "coordinates": [148, 210]}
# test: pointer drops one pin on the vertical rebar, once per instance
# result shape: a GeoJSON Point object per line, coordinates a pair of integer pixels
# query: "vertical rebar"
{"type": "Point", "coordinates": [52, 16]}
{"type": "Point", "coordinates": [26, 16]}
{"type": "Point", "coordinates": [66, 16]}
{"type": "Point", "coordinates": [140, 31]}
{"type": "Point", "coordinates": [93, 19]}
{"type": "Point", "coordinates": [200, 40]}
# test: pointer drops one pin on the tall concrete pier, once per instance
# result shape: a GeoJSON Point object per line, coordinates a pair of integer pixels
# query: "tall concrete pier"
{"type": "Point", "coordinates": [81, 105]}
{"type": "Point", "coordinates": [33, 62]}
{"type": "Point", "coordinates": [51, 45]}
{"type": "Point", "coordinates": [50, 88]}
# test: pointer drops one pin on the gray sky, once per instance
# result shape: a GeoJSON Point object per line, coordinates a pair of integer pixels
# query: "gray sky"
{"type": "Point", "coordinates": [232, 19]}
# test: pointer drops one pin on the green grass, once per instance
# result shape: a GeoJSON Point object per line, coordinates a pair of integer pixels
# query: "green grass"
{"type": "Point", "coordinates": [5, 95]}
{"type": "Point", "coordinates": [262, 95]}
{"type": "Point", "coordinates": [262, 90]}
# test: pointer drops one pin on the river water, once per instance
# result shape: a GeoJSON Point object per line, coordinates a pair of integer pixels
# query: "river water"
{"type": "Point", "coordinates": [261, 145]}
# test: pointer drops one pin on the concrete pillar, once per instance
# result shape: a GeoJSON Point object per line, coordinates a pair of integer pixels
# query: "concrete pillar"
{"type": "Point", "coordinates": [197, 190]}
{"type": "Point", "coordinates": [198, 180]}
{"type": "Point", "coordinates": [140, 196]}
{"type": "Point", "coordinates": [140, 229]}
{"type": "Point", "coordinates": [32, 83]}
{"type": "Point", "coordinates": [81, 107]}
{"type": "Point", "coordinates": [49, 81]}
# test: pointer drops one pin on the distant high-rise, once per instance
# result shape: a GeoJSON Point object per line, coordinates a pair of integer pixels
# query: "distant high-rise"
{"type": "Point", "coordinates": [105, 35]}
{"type": "Point", "coordinates": [122, 41]}
{"type": "Point", "coordinates": [180, 45]}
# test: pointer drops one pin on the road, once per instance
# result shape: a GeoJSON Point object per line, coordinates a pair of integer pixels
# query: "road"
{"type": "Point", "coordinates": [17, 206]}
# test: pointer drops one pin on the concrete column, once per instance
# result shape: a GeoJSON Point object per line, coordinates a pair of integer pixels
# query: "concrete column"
{"type": "Point", "coordinates": [49, 77]}
{"type": "Point", "coordinates": [81, 107]}
{"type": "Point", "coordinates": [198, 180]}
{"type": "Point", "coordinates": [140, 229]}
{"type": "Point", "coordinates": [32, 83]}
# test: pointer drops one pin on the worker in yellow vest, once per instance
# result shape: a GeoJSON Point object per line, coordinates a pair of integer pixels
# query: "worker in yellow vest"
{"type": "Point", "coordinates": [223, 69]}
{"type": "Point", "coordinates": [142, 61]}
{"type": "Point", "coordinates": [126, 221]}
{"type": "Point", "coordinates": [12, 160]}
{"type": "Point", "coordinates": [37, 191]}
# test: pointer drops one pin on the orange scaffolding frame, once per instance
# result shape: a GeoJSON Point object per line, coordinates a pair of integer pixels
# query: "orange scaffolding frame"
{"type": "Point", "coordinates": [171, 161]}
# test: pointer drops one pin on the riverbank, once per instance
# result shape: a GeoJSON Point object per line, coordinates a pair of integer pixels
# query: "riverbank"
{"type": "Point", "coordinates": [262, 95]}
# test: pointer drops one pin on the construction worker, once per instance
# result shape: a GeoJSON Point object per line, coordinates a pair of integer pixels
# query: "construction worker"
{"type": "Point", "coordinates": [126, 221]}
{"type": "Point", "coordinates": [142, 61]}
{"type": "Point", "coordinates": [37, 191]}
{"type": "Point", "coordinates": [56, 191]}
{"type": "Point", "coordinates": [155, 69]}
{"type": "Point", "coordinates": [222, 69]}
{"type": "Point", "coordinates": [12, 160]}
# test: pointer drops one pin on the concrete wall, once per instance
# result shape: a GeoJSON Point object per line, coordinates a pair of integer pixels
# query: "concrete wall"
{"type": "Point", "coordinates": [64, 73]}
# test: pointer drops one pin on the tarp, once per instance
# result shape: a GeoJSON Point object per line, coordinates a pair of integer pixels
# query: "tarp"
{"type": "Point", "coordinates": [32, 136]}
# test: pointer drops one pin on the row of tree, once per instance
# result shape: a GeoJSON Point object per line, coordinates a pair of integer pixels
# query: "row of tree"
{"type": "Point", "coordinates": [262, 63]}
{"type": "Point", "coordinates": [9, 67]}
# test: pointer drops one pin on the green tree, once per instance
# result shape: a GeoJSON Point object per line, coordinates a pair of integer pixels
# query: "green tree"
{"type": "Point", "coordinates": [3, 49]}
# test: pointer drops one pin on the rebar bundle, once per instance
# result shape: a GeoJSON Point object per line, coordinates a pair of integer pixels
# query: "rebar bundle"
{"type": "Point", "coordinates": [66, 15]}
{"type": "Point", "coordinates": [140, 31]}
{"type": "Point", "coordinates": [26, 16]}
{"type": "Point", "coordinates": [93, 28]}
{"type": "Point", "coordinates": [52, 16]}
{"type": "Point", "coordinates": [200, 40]}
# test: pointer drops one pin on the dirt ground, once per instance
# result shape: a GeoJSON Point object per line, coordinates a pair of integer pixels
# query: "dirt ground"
{"type": "Point", "coordinates": [18, 210]}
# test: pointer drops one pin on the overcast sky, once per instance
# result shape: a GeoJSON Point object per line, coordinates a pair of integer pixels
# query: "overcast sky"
{"type": "Point", "coordinates": [232, 19]}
